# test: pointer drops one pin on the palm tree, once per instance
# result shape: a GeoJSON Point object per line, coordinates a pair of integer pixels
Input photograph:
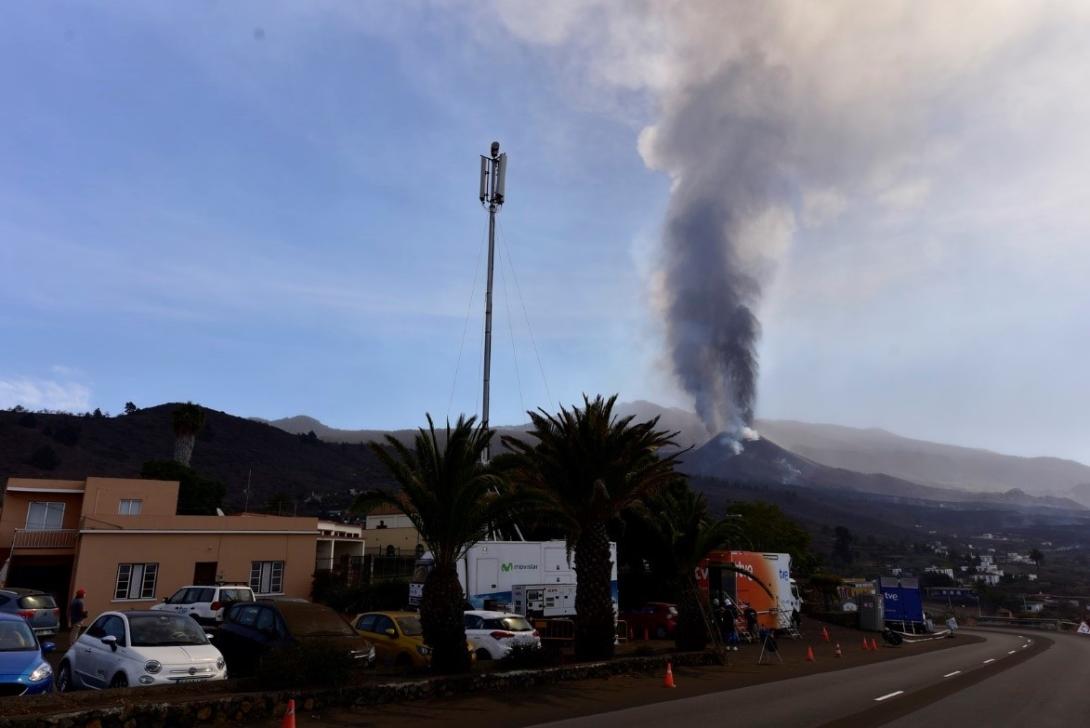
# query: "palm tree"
{"type": "Point", "coordinates": [685, 534]}
{"type": "Point", "coordinates": [591, 465]}
{"type": "Point", "coordinates": [454, 500]}
{"type": "Point", "coordinates": [188, 419]}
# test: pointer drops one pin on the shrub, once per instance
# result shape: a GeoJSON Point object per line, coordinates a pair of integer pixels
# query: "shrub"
{"type": "Point", "coordinates": [28, 420]}
{"type": "Point", "coordinates": [66, 434]}
{"type": "Point", "coordinates": [303, 665]}
{"type": "Point", "coordinates": [525, 656]}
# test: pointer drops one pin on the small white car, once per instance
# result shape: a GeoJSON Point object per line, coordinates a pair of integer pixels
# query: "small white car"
{"type": "Point", "coordinates": [206, 603]}
{"type": "Point", "coordinates": [493, 634]}
{"type": "Point", "coordinates": [123, 649]}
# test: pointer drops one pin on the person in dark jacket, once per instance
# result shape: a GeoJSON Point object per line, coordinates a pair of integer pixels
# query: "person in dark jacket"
{"type": "Point", "coordinates": [77, 614]}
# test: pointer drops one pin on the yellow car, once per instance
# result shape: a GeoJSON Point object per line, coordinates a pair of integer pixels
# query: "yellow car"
{"type": "Point", "coordinates": [398, 638]}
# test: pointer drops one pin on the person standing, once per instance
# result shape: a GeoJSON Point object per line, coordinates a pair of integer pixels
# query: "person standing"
{"type": "Point", "coordinates": [77, 613]}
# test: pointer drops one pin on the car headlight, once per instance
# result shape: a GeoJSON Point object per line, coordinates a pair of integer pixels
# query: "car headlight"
{"type": "Point", "coordinates": [152, 666]}
{"type": "Point", "coordinates": [424, 650]}
{"type": "Point", "coordinates": [41, 672]}
{"type": "Point", "coordinates": [220, 664]}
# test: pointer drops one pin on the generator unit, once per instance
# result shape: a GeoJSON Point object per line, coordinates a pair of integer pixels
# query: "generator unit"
{"type": "Point", "coordinates": [543, 600]}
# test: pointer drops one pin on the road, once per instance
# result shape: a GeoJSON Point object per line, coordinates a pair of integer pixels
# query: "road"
{"type": "Point", "coordinates": [1006, 680]}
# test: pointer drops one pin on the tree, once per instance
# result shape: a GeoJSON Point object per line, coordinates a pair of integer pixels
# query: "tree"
{"type": "Point", "coordinates": [842, 545]}
{"type": "Point", "coordinates": [280, 503]}
{"type": "Point", "coordinates": [130, 408]}
{"type": "Point", "coordinates": [188, 419]}
{"type": "Point", "coordinates": [197, 496]}
{"type": "Point", "coordinates": [44, 458]}
{"type": "Point", "coordinates": [684, 535]}
{"type": "Point", "coordinates": [97, 414]}
{"type": "Point", "coordinates": [765, 527]}
{"type": "Point", "coordinates": [454, 500]}
{"type": "Point", "coordinates": [1037, 557]}
{"type": "Point", "coordinates": [591, 465]}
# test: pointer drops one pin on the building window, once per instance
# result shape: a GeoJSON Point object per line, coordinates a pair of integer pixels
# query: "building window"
{"type": "Point", "coordinates": [129, 507]}
{"type": "Point", "coordinates": [44, 516]}
{"type": "Point", "coordinates": [136, 581]}
{"type": "Point", "coordinates": [267, 577]}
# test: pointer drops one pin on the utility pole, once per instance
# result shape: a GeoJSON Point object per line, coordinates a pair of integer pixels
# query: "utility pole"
{"type": "Point", "coordinates": [493, 177]}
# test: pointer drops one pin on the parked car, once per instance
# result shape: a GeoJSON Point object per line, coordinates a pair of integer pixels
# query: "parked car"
{"type": "Point", "coordinates": [659, 619]}
{"type": "Point", "coordinates": [252, 630]}
{"type": "Point", "coordinates": [398, 638]}
{"type": "Point", "coordinates": [23, 669]}
{"type": "Point", "coordinates": [122, 649]}
{"type": "Point", "coordinates": [493, 634]}
{"type": "Point", "coordinates": [205, 603]}
{"type": "Point", "coordinates": [36, 607]}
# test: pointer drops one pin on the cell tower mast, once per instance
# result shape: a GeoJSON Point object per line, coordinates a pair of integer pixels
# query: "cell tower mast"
{"type": "Point", "coordinates": [493, 178]}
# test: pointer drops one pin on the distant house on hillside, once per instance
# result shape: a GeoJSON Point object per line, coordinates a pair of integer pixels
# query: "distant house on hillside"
{"type": "Point", "coordinates": [390, 532]}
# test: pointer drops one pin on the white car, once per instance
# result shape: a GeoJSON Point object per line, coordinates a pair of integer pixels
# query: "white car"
{"type": "Point", "coordinates": [122, 649]}
{"type": "Point", "coordinates": [493, 634]}
{"type": "Point", "coordinates": [205, 603]}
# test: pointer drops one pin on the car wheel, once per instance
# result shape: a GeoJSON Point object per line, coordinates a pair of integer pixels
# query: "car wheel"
{"type": "Point", "coordinates": [64, 679]}
{"type": "Point", "coordinates": [660, 633]}
{"type": "Point", "coordinates": [483, 654]}
{"type": "Point", "coordinates": [120, 681]}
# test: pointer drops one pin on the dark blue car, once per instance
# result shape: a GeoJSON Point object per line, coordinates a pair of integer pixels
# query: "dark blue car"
{"type": "Point", "coordinates": [23, 669]}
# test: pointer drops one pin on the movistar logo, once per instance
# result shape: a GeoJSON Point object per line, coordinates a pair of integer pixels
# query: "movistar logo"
{"type": "Point", "coordinates": [511, 566]}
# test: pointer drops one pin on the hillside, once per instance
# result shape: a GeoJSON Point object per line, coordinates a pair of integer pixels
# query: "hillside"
{"type": "Point", "coordinates": [874, 450]}
{"type": "Point", "coordinates": [226, 450]}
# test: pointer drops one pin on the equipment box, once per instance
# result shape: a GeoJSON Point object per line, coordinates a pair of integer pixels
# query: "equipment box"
{"type": "Point", "coordinates": [543, 600]}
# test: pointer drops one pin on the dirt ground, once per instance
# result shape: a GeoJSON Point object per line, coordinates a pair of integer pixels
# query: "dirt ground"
{"type": "Point", "coordinates": [567, 700]}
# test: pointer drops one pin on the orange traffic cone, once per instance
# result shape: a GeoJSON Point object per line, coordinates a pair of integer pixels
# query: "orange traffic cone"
{"type": "Point", "coordinates": [825, 633]}
{"type": "Point", "coordinates": [289, 715]}
{"type": "Point", "coordinates": [838, 653]}
{"type": "Point", "coordinates": [809, 654]}
{"type": "Point", "coordinates": [667, 681]}
{"type": "Point", "coordinates": [873, 644]}
{"type": "Point", "coordinates": [866, 647]}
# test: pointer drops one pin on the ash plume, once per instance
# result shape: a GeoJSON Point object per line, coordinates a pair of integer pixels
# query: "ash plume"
{"type": "Point", "coordinates": [780, 115]}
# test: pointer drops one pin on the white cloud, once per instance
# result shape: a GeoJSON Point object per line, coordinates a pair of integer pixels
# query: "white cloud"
{"type": "Point", "coordinates": [47, 394]}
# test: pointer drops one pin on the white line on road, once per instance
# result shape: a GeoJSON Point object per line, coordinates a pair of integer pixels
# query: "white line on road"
{"type": "Point", "coordinates": [990, 659]}
{"type": "Point", "coordinates": [951, 674]}
{"type": "Point", "coordinates": [1012, 652]}
{"type": "Point", "coordinates": [889, 695]}
{"type": "Point", "coordinates": [1021, 637]}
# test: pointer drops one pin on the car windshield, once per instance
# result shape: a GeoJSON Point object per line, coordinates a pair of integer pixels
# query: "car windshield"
{"type": "Point", "coordinates": [316, 621]}
{"type": "Point", "coordinates": [191, 595]}
{"type": "Point", "coordinates": [37, 601]}
{"type": "Point", "coordinates": [165, 630]}
{"type": "Point", "coordinates": [16, 637]}
{"type": "Point", "coordinates": [410, 626]}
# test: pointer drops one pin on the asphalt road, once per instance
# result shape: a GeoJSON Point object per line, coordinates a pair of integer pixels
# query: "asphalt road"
{"type": "Point", "coordinates": [1007, 680]}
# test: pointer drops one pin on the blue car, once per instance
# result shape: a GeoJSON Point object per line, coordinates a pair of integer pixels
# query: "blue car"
{"type": "Point", "coordinates": [23, 669]}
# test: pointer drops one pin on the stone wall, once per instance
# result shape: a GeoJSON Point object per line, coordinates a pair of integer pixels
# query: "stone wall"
{"type": "Point", "coordinates": [138, 708]}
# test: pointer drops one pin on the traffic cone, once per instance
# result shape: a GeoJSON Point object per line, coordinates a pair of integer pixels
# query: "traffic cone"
{"type": "Point", "coordinates": [866, 647]}
{"type": "Point", "coordinates": [838, 653]}
{"type": "Point", "coordinates": [289, 715]}
{"type": "Point", "coordinates": [809, 654]}
{"type": "Point", "coordinates": [667, 681]}
{"type": "Point", "coordinates": [825, 633]}
{"type": "Point", "coordinates": [874, 644]}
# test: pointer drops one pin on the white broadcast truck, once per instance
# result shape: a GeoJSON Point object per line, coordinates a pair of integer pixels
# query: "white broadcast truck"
{"type": "Point", "coordinates": [490, 571]}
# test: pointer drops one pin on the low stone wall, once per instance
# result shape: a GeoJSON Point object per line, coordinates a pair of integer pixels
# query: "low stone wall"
{"type": "Point", "coordinates": [137, 709]}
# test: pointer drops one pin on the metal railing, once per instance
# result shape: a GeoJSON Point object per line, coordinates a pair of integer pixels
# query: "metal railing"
{"type": "Point", "coordinates": [64, 538]}
{"type": "Point", "coordinates": [1053, 625]}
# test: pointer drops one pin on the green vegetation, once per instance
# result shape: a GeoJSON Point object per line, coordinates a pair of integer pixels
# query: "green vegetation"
{"type": "Point", "coordinates": [197, 496]}
{"type": "Point", "coordinates": [453, 500]}
{"type": "Point", "coordinates": [187, 419]}
{"type": "Point", "coordinates": [591, 465]}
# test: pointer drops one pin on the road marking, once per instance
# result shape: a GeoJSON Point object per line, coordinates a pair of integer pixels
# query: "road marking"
{"type": "Point", "coordinates": [990, 659]}
{"type": "Point", "coordinates": [1012, 652]}
{"type": "Point", "coordinates": [889, 695]}
{"type": "Point", "coordinates": [1021, 637]}
{"type": "Point", "coordinates": [1025, 645]}
{"type": "Point", "coordinates": [951, 674]}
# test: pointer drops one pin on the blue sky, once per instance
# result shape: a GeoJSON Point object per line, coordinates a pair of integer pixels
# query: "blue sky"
{"type": "Point", "coordinates": [270, 209]}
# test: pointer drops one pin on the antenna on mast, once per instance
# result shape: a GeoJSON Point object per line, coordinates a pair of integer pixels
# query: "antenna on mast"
{"type": "Point", "coordinates": [493, 183]}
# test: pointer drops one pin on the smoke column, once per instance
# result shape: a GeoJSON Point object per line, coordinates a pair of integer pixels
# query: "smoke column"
{"type": "Point", "coordinates": [776, 116]}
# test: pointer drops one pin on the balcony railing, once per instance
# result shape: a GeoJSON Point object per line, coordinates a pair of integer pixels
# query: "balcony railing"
{"type": "Point", "coordinates": [63, 538]}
